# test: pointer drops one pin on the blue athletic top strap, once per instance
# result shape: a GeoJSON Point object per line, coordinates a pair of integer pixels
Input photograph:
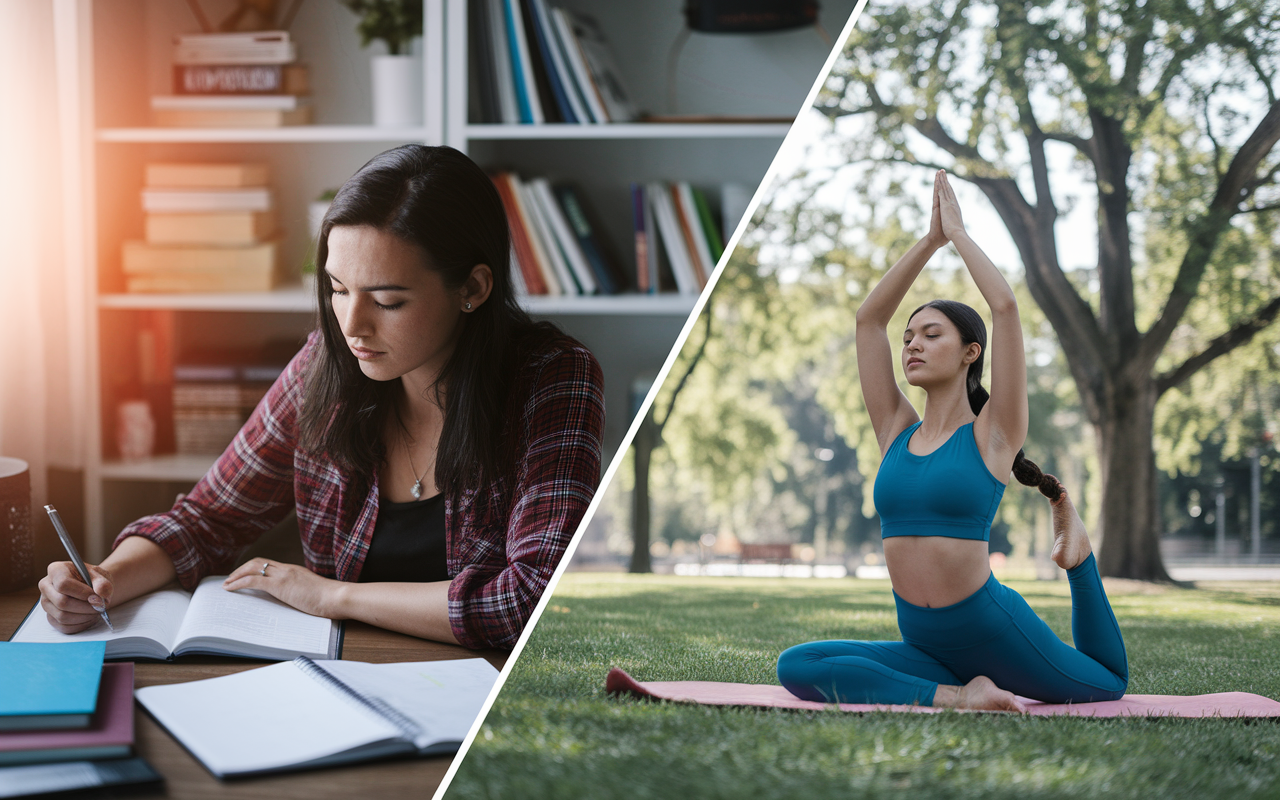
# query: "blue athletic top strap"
{"type": "Point", "coordinates": [949, 492]}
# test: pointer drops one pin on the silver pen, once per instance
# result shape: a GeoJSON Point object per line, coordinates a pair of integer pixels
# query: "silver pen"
{"type": "Point", "coordinates": [75, 558]}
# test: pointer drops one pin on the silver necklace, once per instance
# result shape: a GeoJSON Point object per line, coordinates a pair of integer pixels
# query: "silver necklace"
{"type": "Point", "coordinates": [416, 491]}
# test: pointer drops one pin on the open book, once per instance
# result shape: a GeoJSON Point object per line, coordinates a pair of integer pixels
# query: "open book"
{"type": "Point", "coordinates": [308, 713]}
{"type": "Point", "coordinates": [211, 620]}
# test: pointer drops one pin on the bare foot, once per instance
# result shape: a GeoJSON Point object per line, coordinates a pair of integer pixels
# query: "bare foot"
{"type": "Point", "coordinates": [981, 693]}
{"type": "Point", "coordinates": [1070, 539]}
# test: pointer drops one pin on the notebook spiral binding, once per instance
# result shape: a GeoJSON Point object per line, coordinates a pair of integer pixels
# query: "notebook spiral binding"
{"type": "Point", "coordinates": [410, 728]}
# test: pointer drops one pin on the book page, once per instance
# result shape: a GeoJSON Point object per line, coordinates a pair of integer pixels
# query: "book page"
{"type": "Point", "coordinates": [262, 719]}
{"type": "Point", "coordinates": [442, 697]}
{"type": "Point", "coordinates": [156, 616]}
{"type": "Point", "coordinates": [253, 617]}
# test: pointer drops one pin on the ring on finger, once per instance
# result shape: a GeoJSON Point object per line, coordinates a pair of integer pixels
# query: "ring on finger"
{"type": "Point", "coordinates": [263, 571]}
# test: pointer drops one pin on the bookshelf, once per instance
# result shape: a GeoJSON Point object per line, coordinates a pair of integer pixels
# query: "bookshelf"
{"type": "Point", "coordinates": [114, 54]}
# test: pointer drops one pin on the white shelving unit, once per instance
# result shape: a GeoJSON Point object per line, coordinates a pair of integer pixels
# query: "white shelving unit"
{"type": "Point", "coordinates": [114, 54]}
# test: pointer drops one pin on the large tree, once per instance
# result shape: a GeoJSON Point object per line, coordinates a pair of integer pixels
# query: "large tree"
{"type": "Point", "coordinates": [1170, 108]}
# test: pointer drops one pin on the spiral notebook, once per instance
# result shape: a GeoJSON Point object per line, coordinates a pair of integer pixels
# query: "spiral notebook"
{"type": "Point", "coordinates": [301, 714]}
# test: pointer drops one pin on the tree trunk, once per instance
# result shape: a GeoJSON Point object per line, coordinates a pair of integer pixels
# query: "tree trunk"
{"type": "Point", "coordinates": [643, 445]}
{"type": "Point", "coordinates": [1128, 529]}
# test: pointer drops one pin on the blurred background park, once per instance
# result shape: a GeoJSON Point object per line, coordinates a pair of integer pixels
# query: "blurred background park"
{"type": "Point", "coordinates": [1131, 202]}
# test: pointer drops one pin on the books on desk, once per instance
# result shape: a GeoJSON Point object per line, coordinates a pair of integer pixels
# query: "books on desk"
{"type": "Point", "coordinates": [306, 713]}
{"type": "Point", "coordinates": [48, 685]}
{"type": "Point", "coordinates": [172, 622]}
{"type": "Point", "coordinates": [107, 734]}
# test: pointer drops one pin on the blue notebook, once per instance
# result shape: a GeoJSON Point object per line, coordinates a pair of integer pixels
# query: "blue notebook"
{"type": "Point", "coordinates": [49, 685]}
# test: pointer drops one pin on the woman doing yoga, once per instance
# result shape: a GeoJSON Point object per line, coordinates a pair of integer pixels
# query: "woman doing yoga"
{"type": "Point", "coordinates": [967, 640]}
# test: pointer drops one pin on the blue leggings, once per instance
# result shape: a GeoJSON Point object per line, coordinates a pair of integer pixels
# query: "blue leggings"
{"type": "Point", "coordinates": [993, 632]}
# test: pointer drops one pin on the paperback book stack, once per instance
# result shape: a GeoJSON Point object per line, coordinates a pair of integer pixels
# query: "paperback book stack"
{"type": "Point", "coordinates": [673, 220]}
{"type": "Point", "coordinates": [557, 248]}
{"type": "Point", "coordinates": [235, 80]}
{"type": "Point", "coordinates": [534, 63]}
{"type": "Point", "coordinates": [209, 228]}
{"type": "Point", "coordinates": [211, 401]}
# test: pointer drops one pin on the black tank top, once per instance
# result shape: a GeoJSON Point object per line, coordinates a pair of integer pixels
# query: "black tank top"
{"type": "Point", "coordinates": [408, 543]}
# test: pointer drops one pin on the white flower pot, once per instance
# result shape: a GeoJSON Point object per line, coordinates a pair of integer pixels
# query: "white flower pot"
{"type": "Point", "coordinates": [397, 91]}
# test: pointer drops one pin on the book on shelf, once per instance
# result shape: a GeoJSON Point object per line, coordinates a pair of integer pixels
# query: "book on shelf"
{"type": "Point", "coordinates": [241, 79]}
{"type": "Point", "coordinates": [211, 620]}
{"type": "Point", "coordinates": [197, 200]}
{"type": "Point", "coordinates": [205, 175]}
{"type": "Point", "coordinates": [231, 117]}
{"type": "Point", "coordinates": [224, 229]}
{"type": "Point", "coordinates": [322, 712]}
{"type": "Point", "coordinates": [252, 48]}
{"type": "Point", "coordinates": [141, 258]}
{"type": "Point", "coordinates": [108, 734]}
{"type": "Point", "coordinates": [534, 63]}
{"type": "Point", "coordinates": [47, 685]}
{"type": "Point", "coordinates": [227, 102]}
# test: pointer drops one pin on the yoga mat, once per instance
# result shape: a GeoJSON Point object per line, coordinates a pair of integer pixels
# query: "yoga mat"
{"type": "Point", "coordinates": [1222, 704]}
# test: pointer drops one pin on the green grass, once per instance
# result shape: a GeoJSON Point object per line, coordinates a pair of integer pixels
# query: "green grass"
{"type": "Point", "coordinates": [554, 733]}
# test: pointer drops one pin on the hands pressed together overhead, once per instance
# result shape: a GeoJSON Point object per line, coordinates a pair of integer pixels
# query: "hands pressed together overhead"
{"type": "Point", "coordinates": [945, 222]}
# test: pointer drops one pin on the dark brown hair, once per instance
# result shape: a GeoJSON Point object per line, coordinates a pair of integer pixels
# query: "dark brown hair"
{"type": "Point", "coordinates": [439, 200]}
{"type": "Point", "coordinates": [972, 329]}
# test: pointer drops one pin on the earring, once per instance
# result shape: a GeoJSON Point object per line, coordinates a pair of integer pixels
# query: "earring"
{"type": "Point", "coordinates": [468, 306]}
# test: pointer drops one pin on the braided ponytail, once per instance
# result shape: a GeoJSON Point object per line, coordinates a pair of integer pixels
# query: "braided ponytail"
{"type": "Point", "coordinates": [972, 329]}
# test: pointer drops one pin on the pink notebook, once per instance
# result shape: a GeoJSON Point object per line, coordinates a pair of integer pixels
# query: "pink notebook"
{"type": "Point", "coordinates": [109, 735]}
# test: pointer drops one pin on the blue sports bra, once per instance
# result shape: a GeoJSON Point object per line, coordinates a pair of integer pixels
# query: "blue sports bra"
{"type": "Point", "coordinates": [949, 492]}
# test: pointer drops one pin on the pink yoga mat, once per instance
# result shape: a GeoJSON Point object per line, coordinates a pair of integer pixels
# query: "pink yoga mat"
{"type": "Point", "coordinates": [1223, 704]}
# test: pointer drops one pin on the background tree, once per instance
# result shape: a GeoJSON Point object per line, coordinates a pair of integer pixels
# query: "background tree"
{"type": "Point", "coordinates": [1170, 111]}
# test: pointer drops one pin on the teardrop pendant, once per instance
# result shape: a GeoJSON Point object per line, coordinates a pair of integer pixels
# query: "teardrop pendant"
{"type": "Point", "coordinates": [417, 490]}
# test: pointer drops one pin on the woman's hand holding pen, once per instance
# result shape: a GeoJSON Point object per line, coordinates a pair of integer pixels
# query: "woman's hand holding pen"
{"type": "Point", "coordinates": [290, 584]}
{"type": "Point", "coordinates": [72, 605]}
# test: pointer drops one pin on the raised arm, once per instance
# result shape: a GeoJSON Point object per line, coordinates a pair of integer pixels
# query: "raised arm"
{"type": "Point", "coordinates": [1003, 420]}
{"type": "Point", "coordinates": [887, 406]}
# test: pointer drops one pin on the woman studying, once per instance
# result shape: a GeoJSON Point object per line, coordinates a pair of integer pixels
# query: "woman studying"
{"type": "Point", "coordinates": [967, 640]}
{"type": "Point", "coordinates": [439, 446]}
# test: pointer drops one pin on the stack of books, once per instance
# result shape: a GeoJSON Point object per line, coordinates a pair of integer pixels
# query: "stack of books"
{"type": "Point", "coordinates": [235, 80]}
{"type": "Point", "coordinates": [209, 228]}
{"type": "Point", "coordinates": [61, 703]}
{"type": "Point", "coordinates": [535, 64]}
{"type": "Point", "coordinates": [211, 401]}
{"type": "Point", "coordinates": [675, 220]}
{"type": "Point", "coordinates": [557, 248]}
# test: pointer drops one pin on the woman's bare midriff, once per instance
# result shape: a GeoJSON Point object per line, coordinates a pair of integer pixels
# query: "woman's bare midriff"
{"type": "Point", "coordinates": [936, 571]}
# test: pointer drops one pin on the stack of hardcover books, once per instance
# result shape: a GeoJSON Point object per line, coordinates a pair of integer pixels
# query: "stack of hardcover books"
{"type": "Point", "coordinates": [212, 399]}
{"type": "Point", "coordinates": [235, 80]}
{"type": "Point", "coordinates": [61, 703]}
{"type": "Point", "coordinates": [535, 64]}
{"type": "Point", "coordinates": [210, 227]}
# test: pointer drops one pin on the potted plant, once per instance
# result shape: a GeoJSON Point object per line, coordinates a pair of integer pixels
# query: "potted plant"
{"type": "Point", "coordinates": [397, 76]}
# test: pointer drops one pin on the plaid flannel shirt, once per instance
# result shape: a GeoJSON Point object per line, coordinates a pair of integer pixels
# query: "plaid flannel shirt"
{"type": "Point", "coordinates": [502, 545]}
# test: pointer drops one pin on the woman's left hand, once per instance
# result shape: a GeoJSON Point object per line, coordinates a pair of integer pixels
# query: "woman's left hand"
{"type": "Point", "coordinates": [949, 206]}
{"type": "Point", "coordinates": [289, 583]}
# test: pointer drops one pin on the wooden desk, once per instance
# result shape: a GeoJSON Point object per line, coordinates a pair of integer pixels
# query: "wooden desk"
{"type": "Point", "coordinates": [185, 778]}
